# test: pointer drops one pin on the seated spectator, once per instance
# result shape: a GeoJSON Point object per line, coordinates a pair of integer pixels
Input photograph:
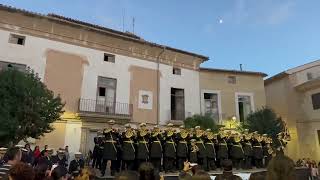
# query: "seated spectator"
{"type": "Point", "coordinates": [41, 172]}
{"type": "Point", "coordinates": [59, 173]}
{"type": "Point", "coordinates": [127, 175]}
{"type": "Point", "coordinates": [13, 156]}
{"type": "Point", "coordinates": [21, 171]}
{"type": "Point", "coordinates": [201, 175]}
{"type": "Point", "coordinates": [227, 172]}
{"type": "Point", "coordinates": [281, 167]}
{"type": "Point", "coordinates": [147, 172]}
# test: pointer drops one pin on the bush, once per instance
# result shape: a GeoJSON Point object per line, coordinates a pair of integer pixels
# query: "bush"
{"type": "Point", "coordinates": [204, 121]}
{"type": "Point", "coordinates": [265, 121]}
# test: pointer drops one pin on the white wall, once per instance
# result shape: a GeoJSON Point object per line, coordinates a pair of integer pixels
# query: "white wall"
{"type": "Point", "coordinates": [72, 136]}
{"type": "Point", "coordinates": [33, 54]}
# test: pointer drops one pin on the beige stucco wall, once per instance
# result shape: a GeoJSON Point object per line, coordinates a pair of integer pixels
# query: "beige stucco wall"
{"type": "Point", "coordinates": [295, 107]}
{"type": "Point", "coordinates": [54, 139]}
{"type": "Point", "coordinates": [210, 80]}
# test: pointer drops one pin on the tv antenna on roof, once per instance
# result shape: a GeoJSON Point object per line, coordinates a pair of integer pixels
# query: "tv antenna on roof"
{"type": "Point", "coordinates": [133, 21]}
{"type": "Point", "coordinates": [123, 18]}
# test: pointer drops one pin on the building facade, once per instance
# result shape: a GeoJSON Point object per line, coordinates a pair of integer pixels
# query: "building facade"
{"type": "Point", "coordinates": [295, 95]}
{"type": "Point", "coordinates": [100, 73]}
{"type": "Point", "coordinates": [229, 93]}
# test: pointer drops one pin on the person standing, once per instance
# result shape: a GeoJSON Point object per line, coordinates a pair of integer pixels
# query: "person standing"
{"type": "Point", "coordinates": [143, 136]}
{"type": "Point", "coordinates": [169, 154]}
{"type": "Point", "coordinates": [193, 153]}
{"type": "Point", "coordinates": [236, 153]}
{"type": "Point", "coordinates": [76, 165]}
{"type": "Point", "coordinates": [156, 148]}
{"type": "Point", "coordinates": [223, 151]}
{"type": "Point", "coordinates": [46, 158]}
{"type": "Point", "coordinates": [110, 148]}
{"type": "Point", "coordinates": [182, 139]}
{"type": "Point", "coordinates": [247, 149]}
{"type": "Point", "coordinates": [36, 155]}
{"type": "Point", "coordinates": [257, 150]}
{"type": "Point", "coordinates": [128, 148]}
{"type": "Point", "coordinates": [202, 154]}
{"type": "Point", "coordinates": [2, 153]}
{"type": "Point", "coordinates": [44, 150]}
{"type": "Point", "coordinates": [29, 159]}
{"type": "Point", "coordinates": [95, 153]}
{"type": "Point", "coordinates": [13, 156]}
{"type": "Point", "coordinates": [210, 141]}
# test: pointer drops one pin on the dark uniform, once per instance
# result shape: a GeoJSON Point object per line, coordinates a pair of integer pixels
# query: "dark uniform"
{"type": "Point", "coordinates": [236, 153]}
{"type": "Point", "coordinates": [223, 151]}
{"type": "Point", "coordinates": [193, 153]}
{"type": "Point", "coordinates": [60, 159]}
{"type": "Point", "coordinates": [75, 166]}
{"type": "Point", "coordinates": [128, 151]}
{"type": "Point", "coordinates": [110, 150]}
{"type": "Point", "coordinates": [182, 148]}
{"type": "Point", "coordinates": [257, 153]}
{"type": "Point", "coordinates": [211, 153]}
{"type": "Point", "coordinates": [46, 160]}
{"type": "Point", "coordinates": [96, 154]}
{"type": "Point", "coordinates": [169, 154]}
{"type": "Point", "coordinates": [156, 141]}
{"type": "Point", "coordinates": [247, 149]}
{"type": "Point", "coordinates": [202, 153]}
{"type": "Point", "coordinates": [142, 147]}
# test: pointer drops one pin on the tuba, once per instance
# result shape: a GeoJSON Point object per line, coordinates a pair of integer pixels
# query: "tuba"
{"type": "Point", "coordinates": [199, 133]}
{"type": "Point", "coordinates": [259, 138]}
{"type": "Point", "coordinates": [143, 132]}
{"type": "Point", "coordinates": [169, 132]}
{"type": "Point", "coordinates": [129, 133]}
{"type": "Point", "coordinates": [155, 133]}
{"type": "Point", "coordinates": [210, 135]}
{"type": "Point", "coordinates": [184, 133]}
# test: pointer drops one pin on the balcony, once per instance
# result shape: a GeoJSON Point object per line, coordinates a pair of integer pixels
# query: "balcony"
{"type": "Point", "coordinates": [104, 109]}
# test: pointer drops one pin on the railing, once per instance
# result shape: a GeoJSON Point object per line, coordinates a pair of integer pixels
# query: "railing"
{"type": "Point", "coordinates": [105, 107]}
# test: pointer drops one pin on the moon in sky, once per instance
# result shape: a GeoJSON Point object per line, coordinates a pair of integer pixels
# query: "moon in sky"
{"type": "Point", "coordinates": [220, 21]}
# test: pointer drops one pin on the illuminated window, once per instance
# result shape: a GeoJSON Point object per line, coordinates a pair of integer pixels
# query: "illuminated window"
{"type": "Point", "coordinates": [17, 39]}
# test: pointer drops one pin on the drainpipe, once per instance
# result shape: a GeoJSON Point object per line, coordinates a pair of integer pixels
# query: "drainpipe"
{"type": "Point", "coordinates": [158, 84]}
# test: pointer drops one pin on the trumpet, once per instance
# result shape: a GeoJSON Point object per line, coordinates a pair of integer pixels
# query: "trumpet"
{"type": "Point", "coordinates": [184, 133]}
{"type": "Point", "coordinates": [143, 132]}
{"type": "Point", "coordinates": [211, 136]}
{"type": "Point", "coordinates": [129, 133]}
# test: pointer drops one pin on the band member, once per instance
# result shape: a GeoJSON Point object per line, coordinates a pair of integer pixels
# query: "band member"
{"type": "Point", "coordinates": [193, 153]}
{"type": "Point", "coordinates": [76, 165]}
{"type": "Point", "coordinates": [60, 159]}
{"type": "Point", "coordinates": [2, 153]}
{"type": "Point", "coordinates": [280, 143]}
{"type": "Point", "coordinates": [257, 150]}
{"type": "Point", "coordinates": [267, 150]}
{"type": "Point", "coordinates": [96, 154]}
{"type": "Point", "coordinates": [210, 147]}
{"type": "Point", "coordinates": [169, 155]}
{"type": "Point", "coordinates": [222, 147]}
{"type": "Point", "coordinates": [236, 153]}
{"type": "Point", "coordinates": [110, 148]}
{"type": "Point", "coordinates": [156, 148]}
{"type": "Point", "coordinates": [247, 148]}
{"type": "Point", "coordinates": [182, 139]}
{"type": "Point", "coordinates": [128, 148]}
{"type": "Point", "coordinates": [202, 154]}
{"type": "Point", "coordinates": [143, 136]}
{"type": "Point", "coordinates": [46, 158]}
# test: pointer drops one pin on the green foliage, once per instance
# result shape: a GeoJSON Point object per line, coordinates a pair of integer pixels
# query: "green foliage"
{"type": "Point", "coordinates": [27, 107]}
{"type": "Point", "coordinates": [204, 122]}
{"type": "Point", "coordinates": [265, 121]}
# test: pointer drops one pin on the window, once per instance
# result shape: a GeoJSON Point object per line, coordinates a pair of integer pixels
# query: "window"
{"type": "Point", "coordinates": [309, 76]}
{"type": "Point", "coordinates": [211, 105]}
{"type": "Point", "coordinates": [17, 39]}
{"type": "Point", "coordinates": [109, 57]}
{"type": "Point", "coordinates": [244, 106]}
{"type": "Point", "coordinates": [315, 101]}
{"type": "Point", "coordinates": [5, 65]}
{"type": "Point", "coordinates": [176, 71]}
{"type": "Point", "coordinates": [102, 91]}
{"type": "Point", "coordinates": [177, 104]}
{"type": "Point", "coordinates": [232, 79]}
{"type": "Point", "coordinates": [318, 131]}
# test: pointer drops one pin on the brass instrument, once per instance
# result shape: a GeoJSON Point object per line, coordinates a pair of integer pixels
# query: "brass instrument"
{"type": "Point", "coordinates": [155, 133]}
{"type": "Point", "coordinates": [211, 136]}
{"type": "Point", "coordinates": [169, 132]}
{"type": "Point", "coordinates": [143, 132]}
{"type": "Point", "coordinates": [199, 133]}
{"type": "Point", "coordinates": [184, 133]}
{"type": "Point", "coordinates": [129, 133]}
{"type": "Point", "coordinates": [270, 150]}
{"type": "Point", "coordinates": [248, 136]}
{"type": "Point", "coordinates": [259, 138]}
{"type": "Point", "coordinates": [194, 148]}
{"type": "Point", "coordinates": [237, 138]}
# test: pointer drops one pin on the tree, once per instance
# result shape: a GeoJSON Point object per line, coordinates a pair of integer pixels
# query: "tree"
{"type": "Point", "coordinates": [204, 121]}
{"type": "Point", "coordinates": [265, 121]}
{"type": "Point", "coordinates": [27, 107]}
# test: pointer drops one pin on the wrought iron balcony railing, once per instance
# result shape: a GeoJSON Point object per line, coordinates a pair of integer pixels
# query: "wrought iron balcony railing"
{"type": "Point", "coordinates": [105, 107]}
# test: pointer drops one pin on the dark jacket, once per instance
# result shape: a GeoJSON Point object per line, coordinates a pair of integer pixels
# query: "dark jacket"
{"type": "Point", "coordinates": [128, 147]}
{"type": "Point", "coordinates": [156, 146]}
{"type": "Point", "coordinates": [202, 148]}
{"type": "Point", "coordinates": [169, 146]}
{"type": "Point", "coordinates": [247, 148]}
{"type": "Point", "coordinates": [142, 146]}
{"type": "Point", "coordinates": [223, 151]}
{"type": "Point", "coordinates": [210, 147]}
{"type": "Point", "coordinates": [76, 166]}
{"type": "Point", "coordinates": [257, 149]}
{"type": "Point", "coordinates": [60, 161]}
{"type": "Point", "coordinates": [227, 176]}
{"type": "Point", "coordinates": [182, 145]}
{"type": "Point", "coordinates": [110, 145]}
{"type": "Point", "coordinates": [236, 150]}
{"type": "Point", "coordinates": [46, 160]}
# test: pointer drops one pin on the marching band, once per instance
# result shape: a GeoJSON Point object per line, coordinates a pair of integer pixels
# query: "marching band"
{"type": "Point", "coordinates": [168, 149]}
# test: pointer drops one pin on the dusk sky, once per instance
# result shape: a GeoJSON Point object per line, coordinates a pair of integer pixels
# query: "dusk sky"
{"type": "Point", "coordinates": [264, 35]}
